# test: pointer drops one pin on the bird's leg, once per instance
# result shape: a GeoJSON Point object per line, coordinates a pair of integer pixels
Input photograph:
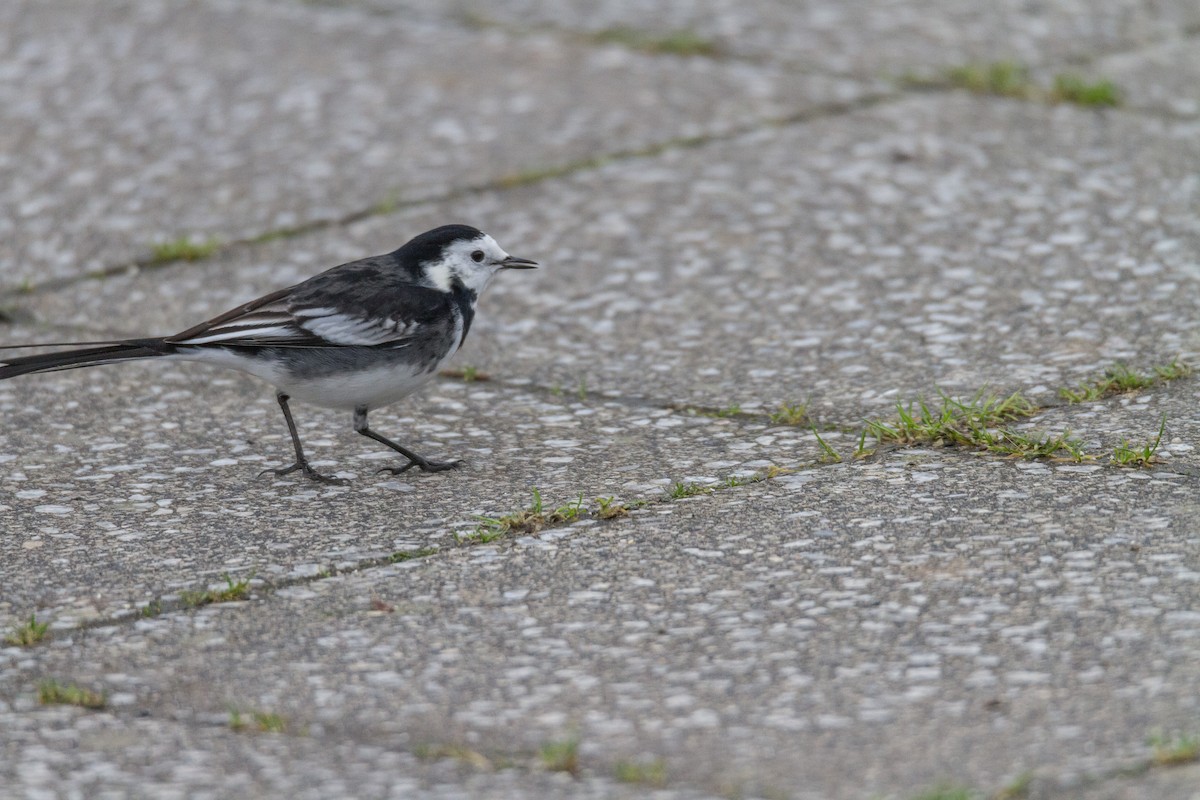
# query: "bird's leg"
{"type": "Point", "coordinates": [414, 460]}
{"type": "Point", "coordinates": [301, 462]}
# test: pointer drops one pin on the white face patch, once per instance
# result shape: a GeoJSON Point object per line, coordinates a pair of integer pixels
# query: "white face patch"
{"type": "Point", "coordinates": [457, 262]}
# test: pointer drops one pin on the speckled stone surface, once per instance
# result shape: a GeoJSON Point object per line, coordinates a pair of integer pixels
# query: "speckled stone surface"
{"type": "Point", "coordinates": [1000, 616]}
{"type": "Point", "coordinates": [127, 124]}
{"type": "Point", "coordinates": [945, 241]}
{"type": "Point", "coordinates": [777, 221]}
{"type": "Point", "coordinates": [865, 37]}
{"type": "Point", "coordinates": [164, 496]}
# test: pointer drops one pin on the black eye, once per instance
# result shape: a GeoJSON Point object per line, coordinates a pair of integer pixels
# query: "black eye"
{"type": "Point", "coordinates": [477, 256]}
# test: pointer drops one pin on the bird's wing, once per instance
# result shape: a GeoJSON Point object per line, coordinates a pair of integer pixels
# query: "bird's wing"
{"type": "Point", "coordinates": [311, 315]}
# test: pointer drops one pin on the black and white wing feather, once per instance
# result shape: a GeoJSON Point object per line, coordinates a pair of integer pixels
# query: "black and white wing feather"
{"type": "Point", "coordinates": [360, 304]}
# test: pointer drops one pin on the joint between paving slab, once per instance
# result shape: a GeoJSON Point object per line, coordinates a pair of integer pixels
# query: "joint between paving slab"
{"type": "Point", "coordinates": [217, 247]}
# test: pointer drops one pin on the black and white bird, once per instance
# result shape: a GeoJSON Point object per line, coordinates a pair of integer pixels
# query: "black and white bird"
{"type": "Point", "coordinates": [358, 336]}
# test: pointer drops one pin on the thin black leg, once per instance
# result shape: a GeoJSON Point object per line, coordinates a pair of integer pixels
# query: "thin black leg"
{"type": "Point", "coordinates": [301, 461]}
{"type": "Point", "coordinates": [414, 460]}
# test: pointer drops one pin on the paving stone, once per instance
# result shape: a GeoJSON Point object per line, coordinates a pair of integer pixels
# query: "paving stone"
{"type": "Point", "coordinates": [854, 261]}
{"type": "Point", "coordinates": [860, 36]}
{"type": "Point", "coordinates": [994, 617]}
{"type": "Point", "coordinates": [51, 752]}
{"type": "Point", "coordinates": [929, 616]}
{"type": "Point", "coordinates": [128, 124]}
{"type": "Point", "coordinates": [133, 485]}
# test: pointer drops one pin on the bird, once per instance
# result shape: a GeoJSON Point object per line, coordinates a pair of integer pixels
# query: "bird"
{"type": "Point", "coordinates": [356, 337]}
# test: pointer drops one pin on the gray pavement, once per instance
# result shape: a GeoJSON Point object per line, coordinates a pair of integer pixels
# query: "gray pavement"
{"type": "Point", "coordinates": [737, 206]}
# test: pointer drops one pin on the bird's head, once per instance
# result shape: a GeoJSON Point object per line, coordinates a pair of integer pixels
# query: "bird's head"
{"type": "Point", "coordinates": [458, 253]}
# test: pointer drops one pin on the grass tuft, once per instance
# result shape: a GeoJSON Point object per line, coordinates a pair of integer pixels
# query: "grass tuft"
{"type": "Point", "coordinates": [1016, 789]}
{"type": "Point", "coordinates": [1175, 750]}
{"type": "Point", "coordinates": [1004, 78]}
{"type": "Point", "coordinates": [677, 43]}
{"type": "Point", "coordinates": [790, 414]}
{"type": "Point", "coordinates": [828, 454]}
{"type": "Point", "coordinates": [259, 722]}
{"type": "Point", "coordinates": [28, 634]}
{"type": "Point", "coordinates": [51, 692]}
{"type": "Point", "coordinates": [530, 520]}
{"type": "Point", "coordinates": [409, 555]}
{"type": "Point", "coordinates": [1069, 88]}
{"type": "Point", "coordinates": [652, 773]}
{"type": "Point", "coordinates": [184, 249]}
{"type": "Point", "coordinates": [1144, 456]}
{"type": "Point", "coordinates": [949, 793]}
{"type": "Point", "coordinates": [561, 756]}
{"type": "Point", "coordinates": [1120, 379]}
{"type": "Point", "coordinates": [1011, 79]}
{"type": "Point", "coordinates": [680, 490]}
{"type": "Point", "coordinates": [980, 422]}
{"type": "Point", "coordinates": [234, 590]}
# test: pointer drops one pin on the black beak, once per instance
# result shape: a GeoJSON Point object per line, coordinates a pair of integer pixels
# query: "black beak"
{"type": "Point", "coordinates": [512, 262]}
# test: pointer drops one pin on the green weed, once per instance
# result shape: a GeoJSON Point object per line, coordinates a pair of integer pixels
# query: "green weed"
{"type": "Point", "coordinates": [790, 414]}
{"type": "Point", "coordinates": [27, 634]}
{"type": "Point", "coordinates": [409, 555]}
{"type": "Point", "coordinates": [51, 692]}
{"type": "Point", "coordinates": [1069, 88]}
{"type": "Point", "coordinates": [561, 756]}
{"type": "Point", "coordinates": [234, 590]}
{"type": "Point", "coordinates": [1004, 78]}
{"type": "Point", "coordinates": [652, 773]}
{"type": "Point", "coordinates": [678, 43]}
{"type": "Point", "coordinates": [1144, 456]}
{"type": "Point", "coordinates": [1175, 750]}
{"type": "Point", "coordinates": [259, 722]}
{"type": "Point", "coordinates": [680, 490]}
{"type": "Point", "coordinates": [184, 249]}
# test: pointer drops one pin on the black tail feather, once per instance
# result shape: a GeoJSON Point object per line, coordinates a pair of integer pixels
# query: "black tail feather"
{"type": "Point", "coordinates": [84, 357]}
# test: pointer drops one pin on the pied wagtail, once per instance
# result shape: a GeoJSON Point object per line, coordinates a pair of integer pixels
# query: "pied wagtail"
{"type": "Point", "coordinates": [358, 336]}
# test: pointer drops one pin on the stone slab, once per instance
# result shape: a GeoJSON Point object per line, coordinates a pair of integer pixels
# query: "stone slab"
{"type": "Point", "coordinates": [877, 627]}
{"type": "Point", "coordinates": [128, 124]}
{"type": "Point", "coordinates": [119, 487]}
{"type": "Point", "coordinates": [861, 37]}
{"type": "Point", "coordinates": [934, 242]}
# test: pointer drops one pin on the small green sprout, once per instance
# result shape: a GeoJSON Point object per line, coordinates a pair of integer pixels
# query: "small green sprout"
{"type": "Point", "coordinates": [561, 756]}
{"type": "Point", "coordinates": [1069, 88]}
{"type": "Point", "coordinates": [27, 634]}
{"type": "Point", "coordinates": [828, 454]}
{"type": "Point", "coordinates": [1175, 750]}
{"type": "Point", "coordinates": [184, 249]}
{"type": "Point", "coordinates": [260, 722]}
{"type": "Point", "coordinates": [652, 773]}
{"type": "Point", "coordinates": [52, 692]}
{"type": "Point", "coordinates": [678, 43]}
{"type": "Point", "coordinates": [1004, 78]}
{"type": "Point", "coordinates": [409, 555]}
{"type": "Point", "coordinates": [790, 414]}
{"type": "Point", "coordinates": [233, 591]}
{"type": "Point", "coordinates": [1144, 456]}
{"type": "Point", "coordinates": [679, 490]}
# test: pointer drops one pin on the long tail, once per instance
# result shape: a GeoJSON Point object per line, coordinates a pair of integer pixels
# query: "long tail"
{"type": "Point", "coordinates": [90, 356]}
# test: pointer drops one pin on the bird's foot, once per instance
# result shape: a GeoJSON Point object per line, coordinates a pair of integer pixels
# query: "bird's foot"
{"type": "Point", "coordinates": [308, 471]}
{"type": "Point", "coordinates": [423, 464]}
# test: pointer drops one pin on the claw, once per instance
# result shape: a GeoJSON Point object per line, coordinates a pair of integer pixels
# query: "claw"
{"type": "Point", "coordinates": [424, 465]}
{"type": "Point", "coordinates": [308, 471]}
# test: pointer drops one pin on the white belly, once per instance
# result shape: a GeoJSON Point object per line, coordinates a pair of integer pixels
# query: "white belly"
{"type": "Point", "coordinates": [371, 387]}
